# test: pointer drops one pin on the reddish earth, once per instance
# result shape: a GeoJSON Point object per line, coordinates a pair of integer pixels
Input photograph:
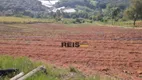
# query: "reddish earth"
{"type": "Point", "coordinates": [113, 51]}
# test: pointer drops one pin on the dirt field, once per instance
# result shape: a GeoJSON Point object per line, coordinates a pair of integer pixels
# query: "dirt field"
{"type": "Point", "coordinates": [112, 50]}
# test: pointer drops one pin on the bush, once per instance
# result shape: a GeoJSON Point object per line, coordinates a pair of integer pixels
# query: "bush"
{"type": "Point", "coordinates": [79, 20]}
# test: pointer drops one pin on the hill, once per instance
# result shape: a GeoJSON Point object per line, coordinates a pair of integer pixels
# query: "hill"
{"type": "Point", "coordinates": [37, 9]}
{"type": "Point", "coordinates": [31, 8]}
{"type": "Point", "coordinates": [92, 4]}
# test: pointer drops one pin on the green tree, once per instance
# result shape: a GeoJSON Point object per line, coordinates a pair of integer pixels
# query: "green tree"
{"type": "Point", "coordinates": [134, 12]}
{"type": "Point", "coordinates": [114, 13]}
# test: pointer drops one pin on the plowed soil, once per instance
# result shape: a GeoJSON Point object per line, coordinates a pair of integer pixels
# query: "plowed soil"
{"type": "Point", "coordinates": [112, 51]}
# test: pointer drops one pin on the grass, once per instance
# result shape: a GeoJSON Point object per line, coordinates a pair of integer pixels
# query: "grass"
{"type": "Point", "coordinates": [120, 23]}
{"type": "Point", "coordinates": [125, 24]}
{"type": "Point", "coordinates": [10, 19]}
{"type": "Point", "coordinates": [26, 65]}
{"type": "Point", "coordinates": [24, 20]}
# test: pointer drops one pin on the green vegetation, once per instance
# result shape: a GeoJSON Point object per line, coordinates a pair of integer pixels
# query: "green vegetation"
{"type": "Point", "coordinates": [87, 11]}
{"type": "Point", "coordinates": [32, 8]}
{"type": "Point", "coordinates": [95, 9]}
{"type": "Point", "coordinates": [54, 73]}
{"type": "Point", "coordinates": [134, 12]}
{"type": "Point", "coordinates": [114, 12]}
{"type": "Point", "coordinates": [119, 23]}
{"type": "Point", "coordinates": [4, 19]}
{"type": "Point", "coordinates": [28, 20]}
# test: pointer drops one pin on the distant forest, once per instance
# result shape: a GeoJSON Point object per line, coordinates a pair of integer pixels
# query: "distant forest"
{"type": "Point", "coordinates": [96, 10]}
{"type": "Point", "coordinates": [34, 8]}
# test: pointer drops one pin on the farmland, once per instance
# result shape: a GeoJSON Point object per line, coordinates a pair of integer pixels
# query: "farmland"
{"type": "Point", "coordinates": [112, 51]}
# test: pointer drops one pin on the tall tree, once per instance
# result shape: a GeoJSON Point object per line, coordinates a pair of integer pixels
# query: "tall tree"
{"type": "Point", "coordinates": [134, 12]}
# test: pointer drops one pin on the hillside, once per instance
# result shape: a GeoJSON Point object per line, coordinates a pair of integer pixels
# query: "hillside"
{"type": "Point", "coordinates": [44, 8]}
{"type": "Point", "coordinates": [92, 4]}
{"type": "Point", "coordinates": [21, 7]}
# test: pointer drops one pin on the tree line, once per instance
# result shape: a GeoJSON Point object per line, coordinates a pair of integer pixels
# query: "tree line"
{"type": "Point", "coordinates": [104, 10]}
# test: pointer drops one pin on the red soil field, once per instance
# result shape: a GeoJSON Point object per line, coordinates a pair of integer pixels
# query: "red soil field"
{"type": "Point", "coordinates": [112, 51]}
